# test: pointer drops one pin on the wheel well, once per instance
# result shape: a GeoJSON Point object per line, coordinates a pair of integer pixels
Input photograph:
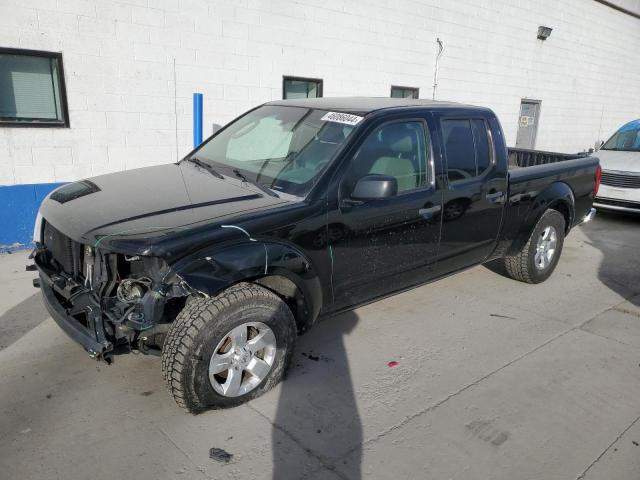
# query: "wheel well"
{"type": "Point", "coordinates": [291, 295]}
{"type": "Point", "coordinates": [563, 208]}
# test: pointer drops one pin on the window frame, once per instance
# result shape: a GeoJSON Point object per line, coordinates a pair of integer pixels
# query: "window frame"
{"type": "Point", "coordinates": [286, 78]}
{"type": "Point", "coordinates": [430, 152]}
{"type": "Point", "coordinates": [64, 108]}
{"type": "Point", "coordinates": [416, 91]}
{"type": "Point", "coordinates": [487, 131]}
{"type": "Point", "coordinates": [492, 155]}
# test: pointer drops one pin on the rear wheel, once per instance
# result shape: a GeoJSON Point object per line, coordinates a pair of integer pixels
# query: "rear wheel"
{"type": "Point", "coordinates": [224, 351]}
{"type": "Point", "coordinates": [538, 258]}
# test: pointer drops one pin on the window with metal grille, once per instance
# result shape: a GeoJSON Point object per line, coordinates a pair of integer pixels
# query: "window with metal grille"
{"type": "Point", "coordinates": [300, 87]}
{"type": "Point", "coordinates": [404, 92]}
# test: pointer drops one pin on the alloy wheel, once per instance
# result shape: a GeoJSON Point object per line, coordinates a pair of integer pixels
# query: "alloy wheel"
{"type": "Point", "coordinates": [546, 247]}
{"type": "Point", "coordinates": [242, 359]}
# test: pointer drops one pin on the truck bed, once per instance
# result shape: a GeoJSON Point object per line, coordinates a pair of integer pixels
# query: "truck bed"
{"type": "Point", "coordinates": [522, 157]}
{"type": "Point", "coordinates": [536, 178]}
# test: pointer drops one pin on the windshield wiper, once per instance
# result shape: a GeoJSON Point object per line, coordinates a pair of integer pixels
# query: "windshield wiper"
{"type": "Point", "coordinates": [205, 165]}
{"type": "Point", "coordinates": [266, 190]}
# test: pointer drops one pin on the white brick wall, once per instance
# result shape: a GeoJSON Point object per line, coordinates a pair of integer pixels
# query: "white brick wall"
{"type": "Point", "coordinates": [118, 60]}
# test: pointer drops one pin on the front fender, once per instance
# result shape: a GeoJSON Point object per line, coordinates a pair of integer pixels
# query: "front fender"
{"type": "Point", "coordinates": [558, 195]}
{"type": "Point", "coordinates": [211, 270]}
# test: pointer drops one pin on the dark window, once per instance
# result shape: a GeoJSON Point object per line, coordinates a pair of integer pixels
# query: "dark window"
{"type": "Point", "coordinates": [467, 148]}
{"type": "Point", "coordinates": [298, 87]}
{"type": "Point", "coordinates": [404, 92]}
{"type": "Point", "coordinates": [458, 145]}
{"type": "Point", "coordinates": [396, 149]}
{"type": "Point", "coordinates": [32, 88]}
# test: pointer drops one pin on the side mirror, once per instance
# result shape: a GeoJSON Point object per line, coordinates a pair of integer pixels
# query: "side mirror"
{"type": "Point", "coordinates": [373, 187]}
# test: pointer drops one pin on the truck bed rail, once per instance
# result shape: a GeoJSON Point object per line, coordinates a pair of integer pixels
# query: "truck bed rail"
{"type": "Point", "coordinates": [523, 157]}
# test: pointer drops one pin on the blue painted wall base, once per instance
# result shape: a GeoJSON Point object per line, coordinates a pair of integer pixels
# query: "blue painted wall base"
{"type": "Point", "coordinates": [18, 209]}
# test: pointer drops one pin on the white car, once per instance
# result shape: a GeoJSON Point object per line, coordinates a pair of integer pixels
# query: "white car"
{"type": "Point", "coordinates": [620, 161]}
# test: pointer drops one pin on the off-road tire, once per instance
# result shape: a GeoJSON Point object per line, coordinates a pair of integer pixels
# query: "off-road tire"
{"type": "Point", "coordinates": [202, 324]}
{"type": "Point", "coordinates": [522, 267]}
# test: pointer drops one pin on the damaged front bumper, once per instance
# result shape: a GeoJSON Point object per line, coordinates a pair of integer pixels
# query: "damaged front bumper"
{"type": "Point", "coordinates": [92, 335]}
{"type": "Point", "coordinates": [98, 316]}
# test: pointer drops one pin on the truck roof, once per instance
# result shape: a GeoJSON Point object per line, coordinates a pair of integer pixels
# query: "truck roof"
{"type": "Point", "coordinates": [364, 105]}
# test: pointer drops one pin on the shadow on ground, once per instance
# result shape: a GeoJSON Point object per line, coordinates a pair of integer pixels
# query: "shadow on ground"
{"type": "Point", "coordinates": [18, 320]}
{"type": "Point", "coordinates": [620, 266]}
{"type": "Point", "coordinates": [317, 404]}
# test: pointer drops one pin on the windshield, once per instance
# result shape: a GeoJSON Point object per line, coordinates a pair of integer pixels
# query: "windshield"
{"type": "Point", "coordinates": [281, 148]}
{"type": "Point", "coordinates": [627, 138]}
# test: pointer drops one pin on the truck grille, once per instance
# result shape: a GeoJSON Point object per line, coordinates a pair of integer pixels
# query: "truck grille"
{"type": "Point", "coordinates": [623, 180]}
{"type": "Point", "coordinates": [64, 251]}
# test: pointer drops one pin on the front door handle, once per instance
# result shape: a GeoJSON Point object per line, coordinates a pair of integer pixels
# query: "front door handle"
{"type": "Point", "coordinates": [494, 197]}
{"type": "Point", "coordinates": [429, 212]}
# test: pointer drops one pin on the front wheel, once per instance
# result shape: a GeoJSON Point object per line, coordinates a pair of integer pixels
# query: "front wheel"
{"type": "Point", "coordinates": [538, 258]}
{"type": "Point", "coordinates": [223, 351]}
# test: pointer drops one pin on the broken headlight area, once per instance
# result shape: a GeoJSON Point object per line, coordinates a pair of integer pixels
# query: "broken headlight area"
{"type": "Point", "coordinates": [118, 302]}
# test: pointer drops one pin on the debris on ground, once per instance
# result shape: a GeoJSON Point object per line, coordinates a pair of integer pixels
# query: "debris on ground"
{"type": "Point", "coordinates": [392, 364]}
{"type": "Point", "coordinates": [147, 393]}
{"type": "Point", "coordinates": [502, 316]}
{"type": "Point", "coordinates": [220, 455]}
{"type": "Point", "coordinates": [317, 358]}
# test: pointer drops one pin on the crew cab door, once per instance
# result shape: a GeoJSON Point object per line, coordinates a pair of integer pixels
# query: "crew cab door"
{"type": "Point", "coordinates": [475, 188]}
{"type": "Point", "coordinates": [385, 244]}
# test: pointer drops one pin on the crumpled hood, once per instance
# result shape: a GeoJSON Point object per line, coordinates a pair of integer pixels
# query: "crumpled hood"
{"type": "Point", "coordinates": [617, 160]}
{"type": "Point", "coordinates": [152, 201]}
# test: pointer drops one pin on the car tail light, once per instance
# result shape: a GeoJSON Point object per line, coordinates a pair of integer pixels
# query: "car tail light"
{"type": "Point", "coordinates": [596, 187]}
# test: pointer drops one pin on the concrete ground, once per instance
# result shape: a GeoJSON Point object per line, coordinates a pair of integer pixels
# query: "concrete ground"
{"type": "Point", "coordinates": [495, 380]}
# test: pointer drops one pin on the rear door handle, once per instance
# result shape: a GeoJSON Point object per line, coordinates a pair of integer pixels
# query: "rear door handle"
{"type": "Point", "coordinates": [494, 197]}
{"type": "Point", "coordinates": [428, 212]}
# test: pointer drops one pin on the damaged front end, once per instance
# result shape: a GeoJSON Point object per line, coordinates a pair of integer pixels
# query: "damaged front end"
{"type": "Point", "coordinates": [108, 302]}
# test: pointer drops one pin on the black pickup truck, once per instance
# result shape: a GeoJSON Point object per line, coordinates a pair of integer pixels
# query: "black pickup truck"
{"type": "Point", "coordinates": [296, 210]}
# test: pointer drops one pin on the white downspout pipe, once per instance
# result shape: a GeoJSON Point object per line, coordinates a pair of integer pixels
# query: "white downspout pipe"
{"type": "Point", "coordinates": [435, 74]}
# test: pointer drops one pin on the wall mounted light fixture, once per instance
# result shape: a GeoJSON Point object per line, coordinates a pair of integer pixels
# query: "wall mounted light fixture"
{"type": "Point", "coordinates": [544, 32]}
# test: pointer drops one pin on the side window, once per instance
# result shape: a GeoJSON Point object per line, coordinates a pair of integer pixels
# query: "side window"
{"type": "Point", "coordinates": [396, 149]}
{"type": "Point", "coordinates": [460, 151]}
{"type": "Point", "coordinates": [467, 148]}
